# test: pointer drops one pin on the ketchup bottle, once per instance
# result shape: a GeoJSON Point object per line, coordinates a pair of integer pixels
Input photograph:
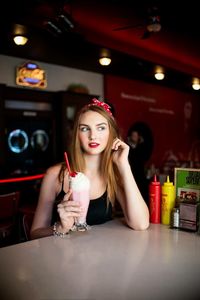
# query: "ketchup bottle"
{"type": "Point", "coordinates": [155, 200]}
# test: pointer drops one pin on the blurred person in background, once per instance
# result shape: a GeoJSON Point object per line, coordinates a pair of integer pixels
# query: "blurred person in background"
{"type": "Point", "coordinates": [140, 140]}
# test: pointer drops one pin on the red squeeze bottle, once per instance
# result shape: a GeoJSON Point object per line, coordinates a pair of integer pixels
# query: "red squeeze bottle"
{"type": "Point", "coordinates": [155, 200]}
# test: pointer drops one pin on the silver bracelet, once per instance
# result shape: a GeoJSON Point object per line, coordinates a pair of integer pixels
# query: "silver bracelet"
{"type": "Point", "coordinates": [57, 233]}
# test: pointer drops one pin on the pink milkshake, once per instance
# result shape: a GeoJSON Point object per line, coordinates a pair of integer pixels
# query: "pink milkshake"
{"type": "Point", "coordinates": [80, 186]}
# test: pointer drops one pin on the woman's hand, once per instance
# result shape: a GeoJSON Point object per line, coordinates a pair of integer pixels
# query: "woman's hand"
{"type": "Point", "coordinates": [120, 152]}
{"type": "Point", "coordinates": [68, 210]}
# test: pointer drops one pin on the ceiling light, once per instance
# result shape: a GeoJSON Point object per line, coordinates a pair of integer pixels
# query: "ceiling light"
{"type": "Point", "coordinates": [105, 57]}
{"type": "Point", "coordinates": [19, 34]}
{"type": "Point", "coordinates": [104, 61]}
{"type": "Point", "coordinates": [159, 76]}
{"type": "Point", "coordinates": [196, 84]}
{"type": "Point", "coordinates": [159, 73]}
{"type": "Point", "coordinates": [20, 40]}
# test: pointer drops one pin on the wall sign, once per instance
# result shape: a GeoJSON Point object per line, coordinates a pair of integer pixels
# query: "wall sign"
{"type": "Point", "coordinates": [30, 74]}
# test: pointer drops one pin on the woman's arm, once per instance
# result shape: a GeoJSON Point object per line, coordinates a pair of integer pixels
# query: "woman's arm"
{"type": "Point", "coordinates": [41, 225]}
{"type": "Point", "coordinates": [67, 209]}
{"type": "Point", "coordinates": [133, 205]}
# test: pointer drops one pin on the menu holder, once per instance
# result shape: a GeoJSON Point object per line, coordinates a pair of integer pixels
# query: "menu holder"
{"type": "Point", "coordinates": [187, 184]}
{"type": "Point", "coordinates": [187, 189]}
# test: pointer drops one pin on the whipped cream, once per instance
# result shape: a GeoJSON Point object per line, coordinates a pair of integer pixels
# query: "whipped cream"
{"type": "Point", "coordinates": [80, 182]}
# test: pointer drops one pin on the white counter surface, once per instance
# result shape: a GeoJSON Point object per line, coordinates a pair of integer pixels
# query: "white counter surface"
{"type": "Point", "coordinates": [110, 261]}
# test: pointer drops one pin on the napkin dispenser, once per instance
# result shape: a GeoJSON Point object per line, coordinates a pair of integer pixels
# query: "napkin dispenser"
{"type": "Point", "coordinates": [189, 216]}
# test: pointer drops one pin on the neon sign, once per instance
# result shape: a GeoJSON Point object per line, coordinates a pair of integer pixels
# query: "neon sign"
{"type": "Point", "coordinates": [30, 74]}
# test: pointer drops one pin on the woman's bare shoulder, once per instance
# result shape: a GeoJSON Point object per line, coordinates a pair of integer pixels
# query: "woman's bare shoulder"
{"type": "Point", "coordinates": [53, 170]}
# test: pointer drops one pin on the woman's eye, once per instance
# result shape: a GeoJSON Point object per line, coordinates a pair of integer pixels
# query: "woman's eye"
{"type": "Point", "coordinates": [83, 129]}
{"type": "Point", "coordinates": [101, 128]}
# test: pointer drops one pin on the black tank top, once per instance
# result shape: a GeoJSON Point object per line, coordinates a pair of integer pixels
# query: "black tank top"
{"type": "Point", "coordinates": [98, 211]}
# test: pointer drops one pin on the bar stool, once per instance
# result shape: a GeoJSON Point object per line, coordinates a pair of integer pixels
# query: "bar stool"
{"type": "Point", "coordinates": [27, 221]}
{"type": "Point", "coordinates": [26, 214]}
{"type": "Point", "coordinates": [9, 204]}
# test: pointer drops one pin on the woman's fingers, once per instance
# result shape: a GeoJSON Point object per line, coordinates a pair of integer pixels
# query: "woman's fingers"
{"type": "Point", "coordinates": [120, 152]}
{"type": "Point", "coordinates": [119, 143]}
{"type": "Point", "coordinates": [67, 205]}
{"type": "Point", "coordinates": [120, 147]}
{"type": "Point", "coordinates": [115, 144]}
{"type": "Point", "coordinates": [70, 213]}
{"type": "Point", "coordinates": [70, 208]}
{"type": "Point", "coordinates": [67, 195]}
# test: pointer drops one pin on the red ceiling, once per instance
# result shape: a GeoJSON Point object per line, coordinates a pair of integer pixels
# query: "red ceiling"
{"type": "Point", "coordinates": [172, 46]}
{"type": "Point", "coordinates": [177, 45]}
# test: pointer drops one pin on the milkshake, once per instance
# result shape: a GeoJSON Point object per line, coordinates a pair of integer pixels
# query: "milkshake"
{"type": "Point", "coordinates": [80, 186]}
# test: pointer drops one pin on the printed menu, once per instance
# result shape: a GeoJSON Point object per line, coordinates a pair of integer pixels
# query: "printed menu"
{"type": "Point", "coordinates": [187, 184]}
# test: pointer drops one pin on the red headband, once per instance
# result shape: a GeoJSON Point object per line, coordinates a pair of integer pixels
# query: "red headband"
{"type": "Point", "coordinates": [104, 105]}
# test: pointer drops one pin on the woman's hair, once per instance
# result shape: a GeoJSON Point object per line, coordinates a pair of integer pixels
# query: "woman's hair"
{"type": "Point", "coordinates": [108, 169]}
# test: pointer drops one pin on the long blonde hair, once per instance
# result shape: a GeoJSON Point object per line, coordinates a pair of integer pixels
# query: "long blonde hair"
{"type": "Point", "coordinates": [108, 169]}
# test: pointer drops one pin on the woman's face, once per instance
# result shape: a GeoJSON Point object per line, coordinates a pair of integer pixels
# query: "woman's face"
{"type": "Point", "coordinates": [93, 132]}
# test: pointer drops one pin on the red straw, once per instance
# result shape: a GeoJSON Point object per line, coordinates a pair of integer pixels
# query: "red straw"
{"type": "Point", "coordinates": [67, 163]}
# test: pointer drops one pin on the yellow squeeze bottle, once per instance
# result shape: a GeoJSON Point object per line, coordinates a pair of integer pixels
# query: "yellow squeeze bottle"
{"type": "Point", "coordinates": [167, 201]}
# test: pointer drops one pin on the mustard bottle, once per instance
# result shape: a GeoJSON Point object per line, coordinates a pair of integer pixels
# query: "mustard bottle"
{"type": "Point", "coordinates": [167, 201]}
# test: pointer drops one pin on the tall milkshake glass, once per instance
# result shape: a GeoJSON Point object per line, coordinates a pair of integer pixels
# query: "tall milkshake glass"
{"type": "Point", "coordinates": [80, 186]}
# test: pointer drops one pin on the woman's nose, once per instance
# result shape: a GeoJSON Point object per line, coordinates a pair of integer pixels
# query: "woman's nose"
{"type": "Point", "coordinates": [92, 135]}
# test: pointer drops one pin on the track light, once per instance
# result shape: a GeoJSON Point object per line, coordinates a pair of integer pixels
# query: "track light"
{"type": "Point", "coordinates": [66, 21]}
{"type": "Point", "coordinates": [60, 24]}
{"type": "Point", "coordinates": [105, 57]}
{"type": "Point", "coordinates": [53, 28]}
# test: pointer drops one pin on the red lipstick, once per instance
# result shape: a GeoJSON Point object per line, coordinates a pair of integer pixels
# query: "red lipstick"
{"type": "Point", "coordinates": [93, 145]}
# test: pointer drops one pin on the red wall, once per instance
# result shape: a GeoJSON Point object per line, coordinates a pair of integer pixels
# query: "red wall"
{"type": "Point", "coordinates": [172, 115]}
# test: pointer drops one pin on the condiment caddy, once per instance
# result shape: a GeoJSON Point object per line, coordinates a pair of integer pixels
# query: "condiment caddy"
{"type": "Point", "coordinates": [167, 209]}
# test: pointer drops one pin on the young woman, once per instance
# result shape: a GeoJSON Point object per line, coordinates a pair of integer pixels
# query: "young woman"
{"type": "Point", "coordinates": [98, 151]}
